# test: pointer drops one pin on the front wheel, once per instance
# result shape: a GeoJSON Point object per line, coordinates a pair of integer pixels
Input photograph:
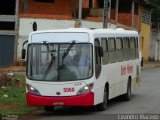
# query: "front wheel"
{"type": "Point", "coordinates": [103, 106]}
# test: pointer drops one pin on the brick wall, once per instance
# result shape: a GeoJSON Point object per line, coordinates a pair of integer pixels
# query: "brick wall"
{"type": "Point", "coordinates": [59, 8]}
{"type": "Point", "coordinates": [96, 4]}
{"type": "Point", "coordinates": [85, 3]}
{"type": "Point", "coordinates": [126, 19]}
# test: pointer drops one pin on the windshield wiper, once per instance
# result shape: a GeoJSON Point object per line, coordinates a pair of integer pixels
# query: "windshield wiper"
{"type": "Point", "coordinates": [67, 51]}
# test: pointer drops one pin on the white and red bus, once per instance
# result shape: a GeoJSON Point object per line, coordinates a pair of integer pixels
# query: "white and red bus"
{"type": "Point", "coordinates": [81, 67]}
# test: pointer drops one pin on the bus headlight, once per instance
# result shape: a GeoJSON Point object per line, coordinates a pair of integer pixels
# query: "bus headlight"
{"type": "Point", "coordinates": [32, 89]}
{"type": "Point", "coordinates": [85, 89]}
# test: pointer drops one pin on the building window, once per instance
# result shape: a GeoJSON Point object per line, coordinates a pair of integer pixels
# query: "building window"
{"type": "Point", "coordinates": [48, 1]}
{"type": "Point", "coordinates": [146, 16]}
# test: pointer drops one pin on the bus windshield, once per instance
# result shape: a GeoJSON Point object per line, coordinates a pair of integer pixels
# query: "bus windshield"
{"type": "Point", "coordinates": [60, 62]}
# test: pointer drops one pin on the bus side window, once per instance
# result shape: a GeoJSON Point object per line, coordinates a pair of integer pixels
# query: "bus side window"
{"type": "Point", "coordinates": [97, 58]}
{"type": "Point", "coordinates": [104, 44]}
{"type": "Point", "coordinates": [111, 49]}
{"type": "Point", "coordinates": [132, 48]}
{"type": "Point", "coordinates": [137, 48]}
{"type": "Point", "coordinates": [126, 48]}
{"type": "Point", "coordinates": [119, 51]}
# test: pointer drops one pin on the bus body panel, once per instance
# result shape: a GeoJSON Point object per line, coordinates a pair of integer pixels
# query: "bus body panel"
{"type": "Point", "coordinates": [59, 89]}
{"type": "Point", "coordinates": [67, 97]}
{"type": "Point", "coordinates": [115, 74]}
{"type": "Point", "coordinates": [118, 83]}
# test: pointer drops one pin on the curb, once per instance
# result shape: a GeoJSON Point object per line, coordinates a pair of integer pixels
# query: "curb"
{"type": "Point", "coordinates": [13, 69]}
{"type": "Point", "coordinates": [150, 66]}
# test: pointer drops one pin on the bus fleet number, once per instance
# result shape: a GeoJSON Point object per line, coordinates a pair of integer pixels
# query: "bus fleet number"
{"type": "Point", "coordinates": [68, 89]}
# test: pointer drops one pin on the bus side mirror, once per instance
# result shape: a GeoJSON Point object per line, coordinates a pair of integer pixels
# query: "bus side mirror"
{"type": "Point", "coordinates": [100, 51]}
{"type": "Point", "coordinates": [34, 26]}
{"type": "Point", "coordinates": [23, 54]}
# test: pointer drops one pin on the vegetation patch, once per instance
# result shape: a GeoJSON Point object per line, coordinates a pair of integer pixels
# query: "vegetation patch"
{"type": "Point", "coordinates": [13, 99]}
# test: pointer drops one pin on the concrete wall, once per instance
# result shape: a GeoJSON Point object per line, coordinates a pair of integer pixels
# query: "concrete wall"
{"type": "Point", "coordinates": [153, 46]}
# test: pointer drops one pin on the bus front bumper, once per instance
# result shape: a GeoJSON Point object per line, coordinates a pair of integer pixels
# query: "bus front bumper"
{"type": "Point", "coordinates": [78, 100]}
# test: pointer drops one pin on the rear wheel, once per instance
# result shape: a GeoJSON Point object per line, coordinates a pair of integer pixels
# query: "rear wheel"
{"type": "Point", "coordinates": [103, 106]}
{"type": "Point", "coordinates": [48, 108]}
{"type": "Point", "coordinates": [127, 96]}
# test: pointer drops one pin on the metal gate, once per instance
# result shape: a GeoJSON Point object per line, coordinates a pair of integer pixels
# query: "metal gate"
{"type": "Point", "coordinates": [6, 50]}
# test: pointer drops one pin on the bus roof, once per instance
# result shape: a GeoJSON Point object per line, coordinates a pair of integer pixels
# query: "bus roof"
{"type": "Point", "coordinates": [88, 30]}
{"type": "Point", "coordinates": [86, 33]}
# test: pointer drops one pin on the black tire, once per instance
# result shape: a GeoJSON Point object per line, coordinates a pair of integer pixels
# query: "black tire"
{"type": "Point", "coordinates": [48, 108]}
{"type": "Point", "coordinates": [127, 96]}
{"type": "Point", "coordinates": [103, 106]}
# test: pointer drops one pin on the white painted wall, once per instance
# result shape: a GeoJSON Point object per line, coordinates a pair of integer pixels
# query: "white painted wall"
{"type": "Point", "coordinates": [154, 47]}
{"type": "Point", "coordinates": [25, 27]}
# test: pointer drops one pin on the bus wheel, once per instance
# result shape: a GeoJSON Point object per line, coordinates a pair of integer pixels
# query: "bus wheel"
{"type": "Point", "coordinates": [103, 106]}
{"type": "Point", "coordinates": [127, 96]}
{"type": "Point", "coordinates": [48, 108]}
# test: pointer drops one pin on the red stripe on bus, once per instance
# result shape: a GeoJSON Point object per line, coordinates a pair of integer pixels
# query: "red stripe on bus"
{"type": "Point", "coordinates": [79, 100]}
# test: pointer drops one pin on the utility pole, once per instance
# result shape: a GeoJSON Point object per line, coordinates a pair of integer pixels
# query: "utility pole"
{"type": "Point", "coordinates": [80, 10]}
{"type": "Point", "coordinates": [78, 22]}
{"type": "Point", "coordinates": [105, 13]}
